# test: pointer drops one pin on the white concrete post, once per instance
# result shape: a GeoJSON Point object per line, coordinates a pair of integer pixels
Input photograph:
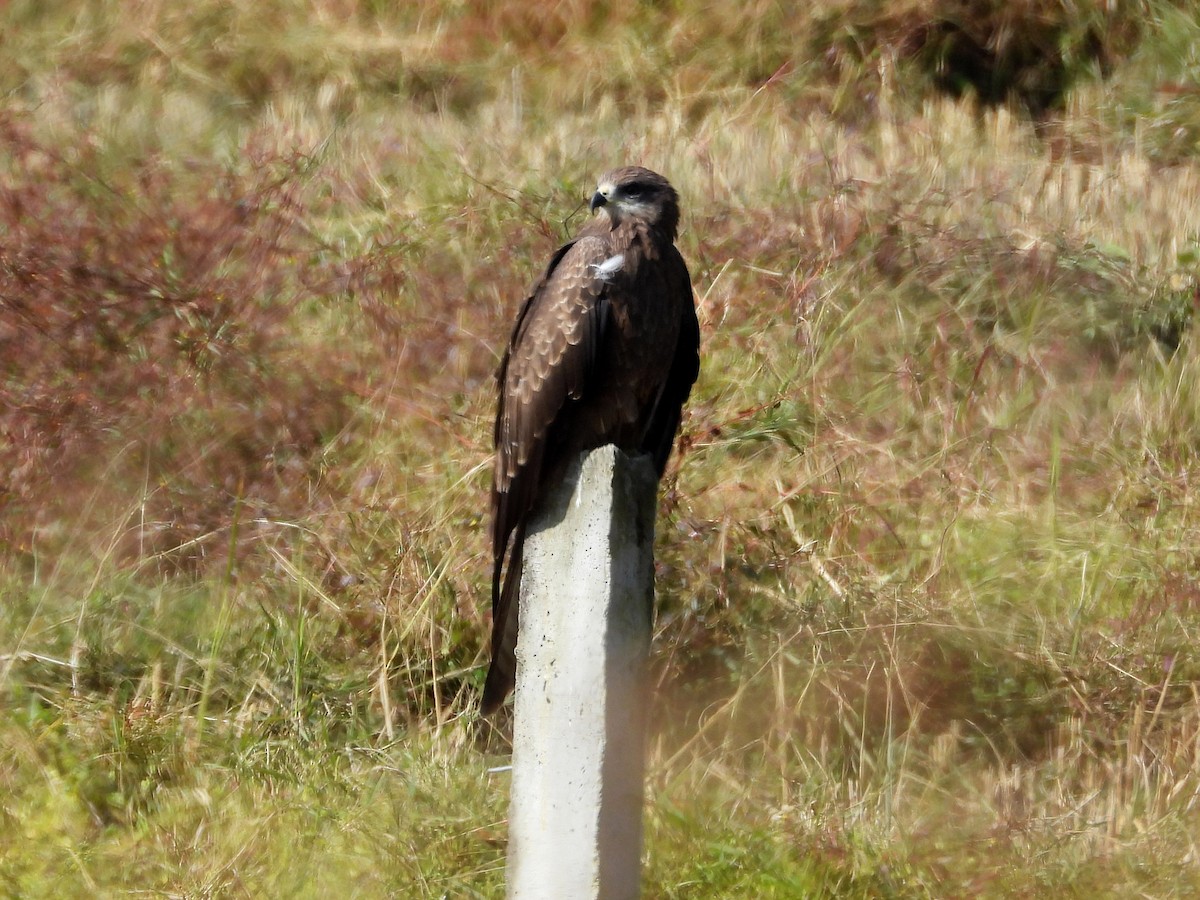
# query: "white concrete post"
{"type": "Point", "coordinates": [587, 598]}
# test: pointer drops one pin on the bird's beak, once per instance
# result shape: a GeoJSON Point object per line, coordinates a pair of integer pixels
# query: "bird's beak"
{"type": "Point", "coordinates": [598, 200]}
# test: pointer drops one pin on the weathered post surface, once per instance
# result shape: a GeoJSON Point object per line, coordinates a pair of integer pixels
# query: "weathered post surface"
{"type": "Point", "coordinates": [587, 597]}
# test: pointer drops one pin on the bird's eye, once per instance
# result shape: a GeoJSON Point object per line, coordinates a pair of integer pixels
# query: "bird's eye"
{"type": "Point", "coordinates": [634, 191]}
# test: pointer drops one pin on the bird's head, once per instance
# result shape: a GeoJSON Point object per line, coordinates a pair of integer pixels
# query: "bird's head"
{"type": "Point", "coordinates": [632, 192]}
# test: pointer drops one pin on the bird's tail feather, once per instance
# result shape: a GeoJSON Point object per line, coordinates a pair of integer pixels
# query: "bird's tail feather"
{"type": "Point", "coordinates": [502, 674]}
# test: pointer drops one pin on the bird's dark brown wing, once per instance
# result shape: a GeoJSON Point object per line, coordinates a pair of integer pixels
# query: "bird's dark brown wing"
{"type": "Point", "coordinates": [685, 365]}
{"type": "Point", "coordinates": [550, 361]}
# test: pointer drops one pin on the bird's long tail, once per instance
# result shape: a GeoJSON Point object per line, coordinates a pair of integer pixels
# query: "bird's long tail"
{"type": "Point", "coordinates": [502, 674]}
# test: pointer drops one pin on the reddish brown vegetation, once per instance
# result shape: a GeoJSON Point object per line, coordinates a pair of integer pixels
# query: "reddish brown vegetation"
{"type": "Point", "coordinates": [139, 310]}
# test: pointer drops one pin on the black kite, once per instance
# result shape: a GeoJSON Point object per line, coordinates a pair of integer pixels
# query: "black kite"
{"type": "Point", "coordinates": [604, 351]}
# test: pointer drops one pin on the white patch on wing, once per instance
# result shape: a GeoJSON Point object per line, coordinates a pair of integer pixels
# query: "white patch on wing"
{"type": "Point", "coordinates": [606, 270]}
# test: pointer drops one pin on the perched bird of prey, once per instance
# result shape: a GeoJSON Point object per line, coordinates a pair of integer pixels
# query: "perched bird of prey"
{"type": "Point", "coordinates": [604, 351]}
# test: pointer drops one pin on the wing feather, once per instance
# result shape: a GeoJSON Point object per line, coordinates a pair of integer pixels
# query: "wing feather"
{"type": "Point", "coordinates": [550, 361]}
{"type": "Point", "coordinates": [685, 367]}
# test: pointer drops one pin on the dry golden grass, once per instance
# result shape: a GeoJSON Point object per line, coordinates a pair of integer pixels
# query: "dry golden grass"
{"type": "Point", "coordinates": [927, 562]}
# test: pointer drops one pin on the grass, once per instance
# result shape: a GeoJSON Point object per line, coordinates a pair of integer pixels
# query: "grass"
{"type": "Point", "coordinates": [926, 564]}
